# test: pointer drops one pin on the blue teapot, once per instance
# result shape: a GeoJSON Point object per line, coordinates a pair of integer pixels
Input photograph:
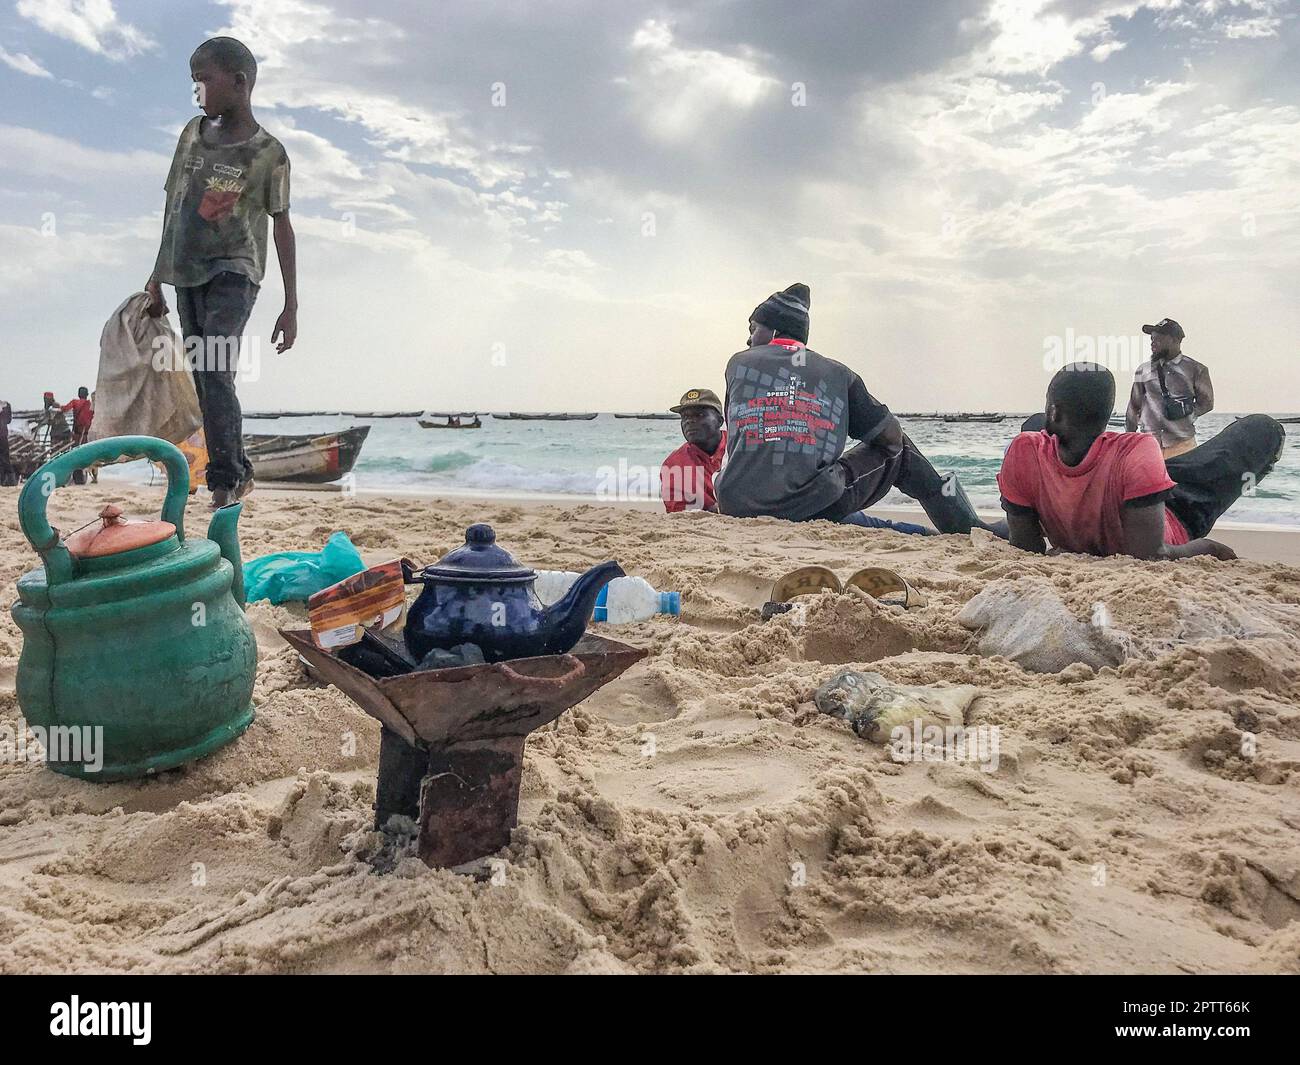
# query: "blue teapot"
{"type": "Point", "coordinates": [479, 594]}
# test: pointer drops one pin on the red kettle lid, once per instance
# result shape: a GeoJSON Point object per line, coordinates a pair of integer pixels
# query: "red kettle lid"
{"type": "Point", "coordinates": [113, 535]}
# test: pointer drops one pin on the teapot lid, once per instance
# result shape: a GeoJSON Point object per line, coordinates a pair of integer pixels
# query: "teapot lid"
{"type": "Point", "coordinates": [480, 559]}
{"type": "Point", "coordinates": [112, 535]}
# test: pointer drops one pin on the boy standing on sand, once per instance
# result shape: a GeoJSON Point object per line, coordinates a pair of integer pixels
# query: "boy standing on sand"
{"type": "Point", "coordinates": [227, 177]}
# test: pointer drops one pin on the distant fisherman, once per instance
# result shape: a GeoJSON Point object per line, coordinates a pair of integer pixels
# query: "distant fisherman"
{"type": "Point", "coordinates": [1169, 392]}
{"type": "Point", "coordinates": [8, 478]}
{"type": "Point", "coordinates": [83, 414]}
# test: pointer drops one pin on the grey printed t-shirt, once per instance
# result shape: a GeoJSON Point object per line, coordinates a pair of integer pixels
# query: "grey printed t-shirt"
{"type": "Point", "coordinates": [1181, 376]}
{"type": "Point", "coordinates": [219, 197]}
{"type": "Point", "coordinates": [789, 416]}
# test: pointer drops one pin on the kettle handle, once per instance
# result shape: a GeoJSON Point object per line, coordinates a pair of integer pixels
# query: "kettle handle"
{"type": "Point", "coordinates": [577, 670]}
{"type": "Point", "coordinates": [34, 498]}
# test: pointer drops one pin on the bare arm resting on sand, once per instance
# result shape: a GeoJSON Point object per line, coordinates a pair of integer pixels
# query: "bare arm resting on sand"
{"type": "Point", "coordinates": [1144, 537]}
{"type": "Point", "coordinates": [1025, 531]}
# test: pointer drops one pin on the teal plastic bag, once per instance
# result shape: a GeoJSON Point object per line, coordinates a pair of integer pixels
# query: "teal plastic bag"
{"type": "Point", "coordinates": [289, 575]}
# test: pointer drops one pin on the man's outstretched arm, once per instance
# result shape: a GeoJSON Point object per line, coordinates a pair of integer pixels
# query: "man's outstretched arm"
{"type": "Point", "coordinates": [870, 422]}
{"type": "Point", "coordinates": [890, 437]}
{"type": "Point", "coordinates": [1144, 536]}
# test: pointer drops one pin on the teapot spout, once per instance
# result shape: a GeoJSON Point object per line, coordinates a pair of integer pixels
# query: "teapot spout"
{"type": "Point", "coordinates": [224, 529]}
{"type": "Point", "coordinates": [566, 620]}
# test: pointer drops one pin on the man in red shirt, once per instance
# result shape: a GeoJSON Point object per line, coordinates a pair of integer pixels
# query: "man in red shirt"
{"type": "Point", "coordinates": [686, 476]}
{"type": "Point", "coordinates": [1095, 492]}
{"type": "Point", "coordinates": [83, 413]}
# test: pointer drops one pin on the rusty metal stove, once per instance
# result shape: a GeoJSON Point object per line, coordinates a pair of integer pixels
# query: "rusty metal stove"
{"type": "Point", "coordinates": [452, 747]}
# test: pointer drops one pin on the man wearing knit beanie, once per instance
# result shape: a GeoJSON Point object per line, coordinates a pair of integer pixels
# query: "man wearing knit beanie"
{"type": "Point", "coordinates": [790, 413]}
{"type": "Point", "coordinates": [786, 313]}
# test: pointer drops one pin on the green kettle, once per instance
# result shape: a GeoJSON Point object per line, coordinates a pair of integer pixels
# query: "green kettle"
{"type": "Point", "coordinates": [137, 656]}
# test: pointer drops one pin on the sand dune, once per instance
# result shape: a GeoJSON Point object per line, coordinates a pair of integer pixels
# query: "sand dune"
{"type": "Point", "coordinates": [699, 814]}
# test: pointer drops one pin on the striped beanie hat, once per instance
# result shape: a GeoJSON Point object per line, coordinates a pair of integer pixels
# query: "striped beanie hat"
{"type": "Point", "coordinates": [786, 313]}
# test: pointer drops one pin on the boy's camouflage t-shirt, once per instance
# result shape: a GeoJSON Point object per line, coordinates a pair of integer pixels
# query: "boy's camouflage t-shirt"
{"type": "Point", "coordinates": [218, 199]}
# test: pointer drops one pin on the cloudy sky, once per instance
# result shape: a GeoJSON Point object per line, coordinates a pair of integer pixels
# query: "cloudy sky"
{"type": "Point", "coordinates": [575, 205]}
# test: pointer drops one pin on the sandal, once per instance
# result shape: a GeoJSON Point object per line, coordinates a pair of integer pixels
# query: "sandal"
{"type": "Point", "coordinates": [876, 581]}
{"type": "Point", "coordinates": [810, 580]}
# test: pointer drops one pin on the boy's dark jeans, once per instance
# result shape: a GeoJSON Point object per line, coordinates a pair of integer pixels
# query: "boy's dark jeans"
{"type": "Point", "coordinates": [213, 317]}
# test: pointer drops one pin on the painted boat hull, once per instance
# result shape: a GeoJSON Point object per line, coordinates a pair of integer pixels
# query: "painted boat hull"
{"type": "Point", "coordinates": [311, 459]}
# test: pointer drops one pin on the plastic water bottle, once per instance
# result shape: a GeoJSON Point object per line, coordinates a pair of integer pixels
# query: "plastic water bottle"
{"type": "Point", "coordinates": [622, 600]}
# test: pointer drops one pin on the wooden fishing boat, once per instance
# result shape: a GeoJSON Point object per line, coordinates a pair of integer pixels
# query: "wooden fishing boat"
{"type": "Point", "coordinates": [30, 450]}
{"type": "Point", "coordinates": [474, 423]}
{"type": "Point", "coordinates": [964, 417]}
{"type": "Point", "coordinates": [515, 416]}
{"type": "Point", "coordinates": [651, 417]}
{"type": "Point", "coordinates": [26, 456]}
{"type": "Point", "coordinates": [309, 459]}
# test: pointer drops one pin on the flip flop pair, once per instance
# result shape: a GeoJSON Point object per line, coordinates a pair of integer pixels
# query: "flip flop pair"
{"type": "Point", "coordinates": [874, 581]}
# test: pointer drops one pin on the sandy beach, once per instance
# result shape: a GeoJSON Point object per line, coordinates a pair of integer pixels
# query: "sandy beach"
{"type": "Point", "coordinates": [1123, 830]}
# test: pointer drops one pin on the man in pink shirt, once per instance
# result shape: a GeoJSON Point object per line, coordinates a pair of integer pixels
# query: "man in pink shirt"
{"type": "Point", "coordinates": [1096, 492]}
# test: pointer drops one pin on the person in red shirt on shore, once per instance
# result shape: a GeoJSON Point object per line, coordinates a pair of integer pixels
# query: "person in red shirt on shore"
{"type": "Point", "coordinates": [1096, 492]}
{"type": "Point", "coordinates": [686, 476]}
{"type": "Point", "coordinates": [83, 413]}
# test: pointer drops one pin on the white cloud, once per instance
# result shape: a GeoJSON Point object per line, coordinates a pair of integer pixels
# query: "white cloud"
{"type": "Point", "coordinates": [570, 259]}
{"type": "Point", "coordinates": [35, 258]}
{"type": "Point", "coordinates": [681, 90]}
{"type": "Point", "coordinates": [401, 128]}
{"type": "Point", "coordinates": [24, 64]}
{"type": "Point", "coordinates": [1251, 27]}
{"type": "Point", "coordinates": [1106, 49]}
{"type": "Point", "coordinates": [44, 155]}
{"type": "Point", "coordinates": [92, 24]}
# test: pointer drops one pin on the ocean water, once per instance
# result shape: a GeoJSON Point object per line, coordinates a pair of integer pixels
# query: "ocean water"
{"type": "Point", "coordinates": [610, 458]}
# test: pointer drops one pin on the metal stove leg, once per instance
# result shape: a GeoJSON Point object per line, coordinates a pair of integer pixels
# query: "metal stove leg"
{"type": "Point", "coordinates": [401, 768]}
{"type": "Point", "coordinates": [469, 800]}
